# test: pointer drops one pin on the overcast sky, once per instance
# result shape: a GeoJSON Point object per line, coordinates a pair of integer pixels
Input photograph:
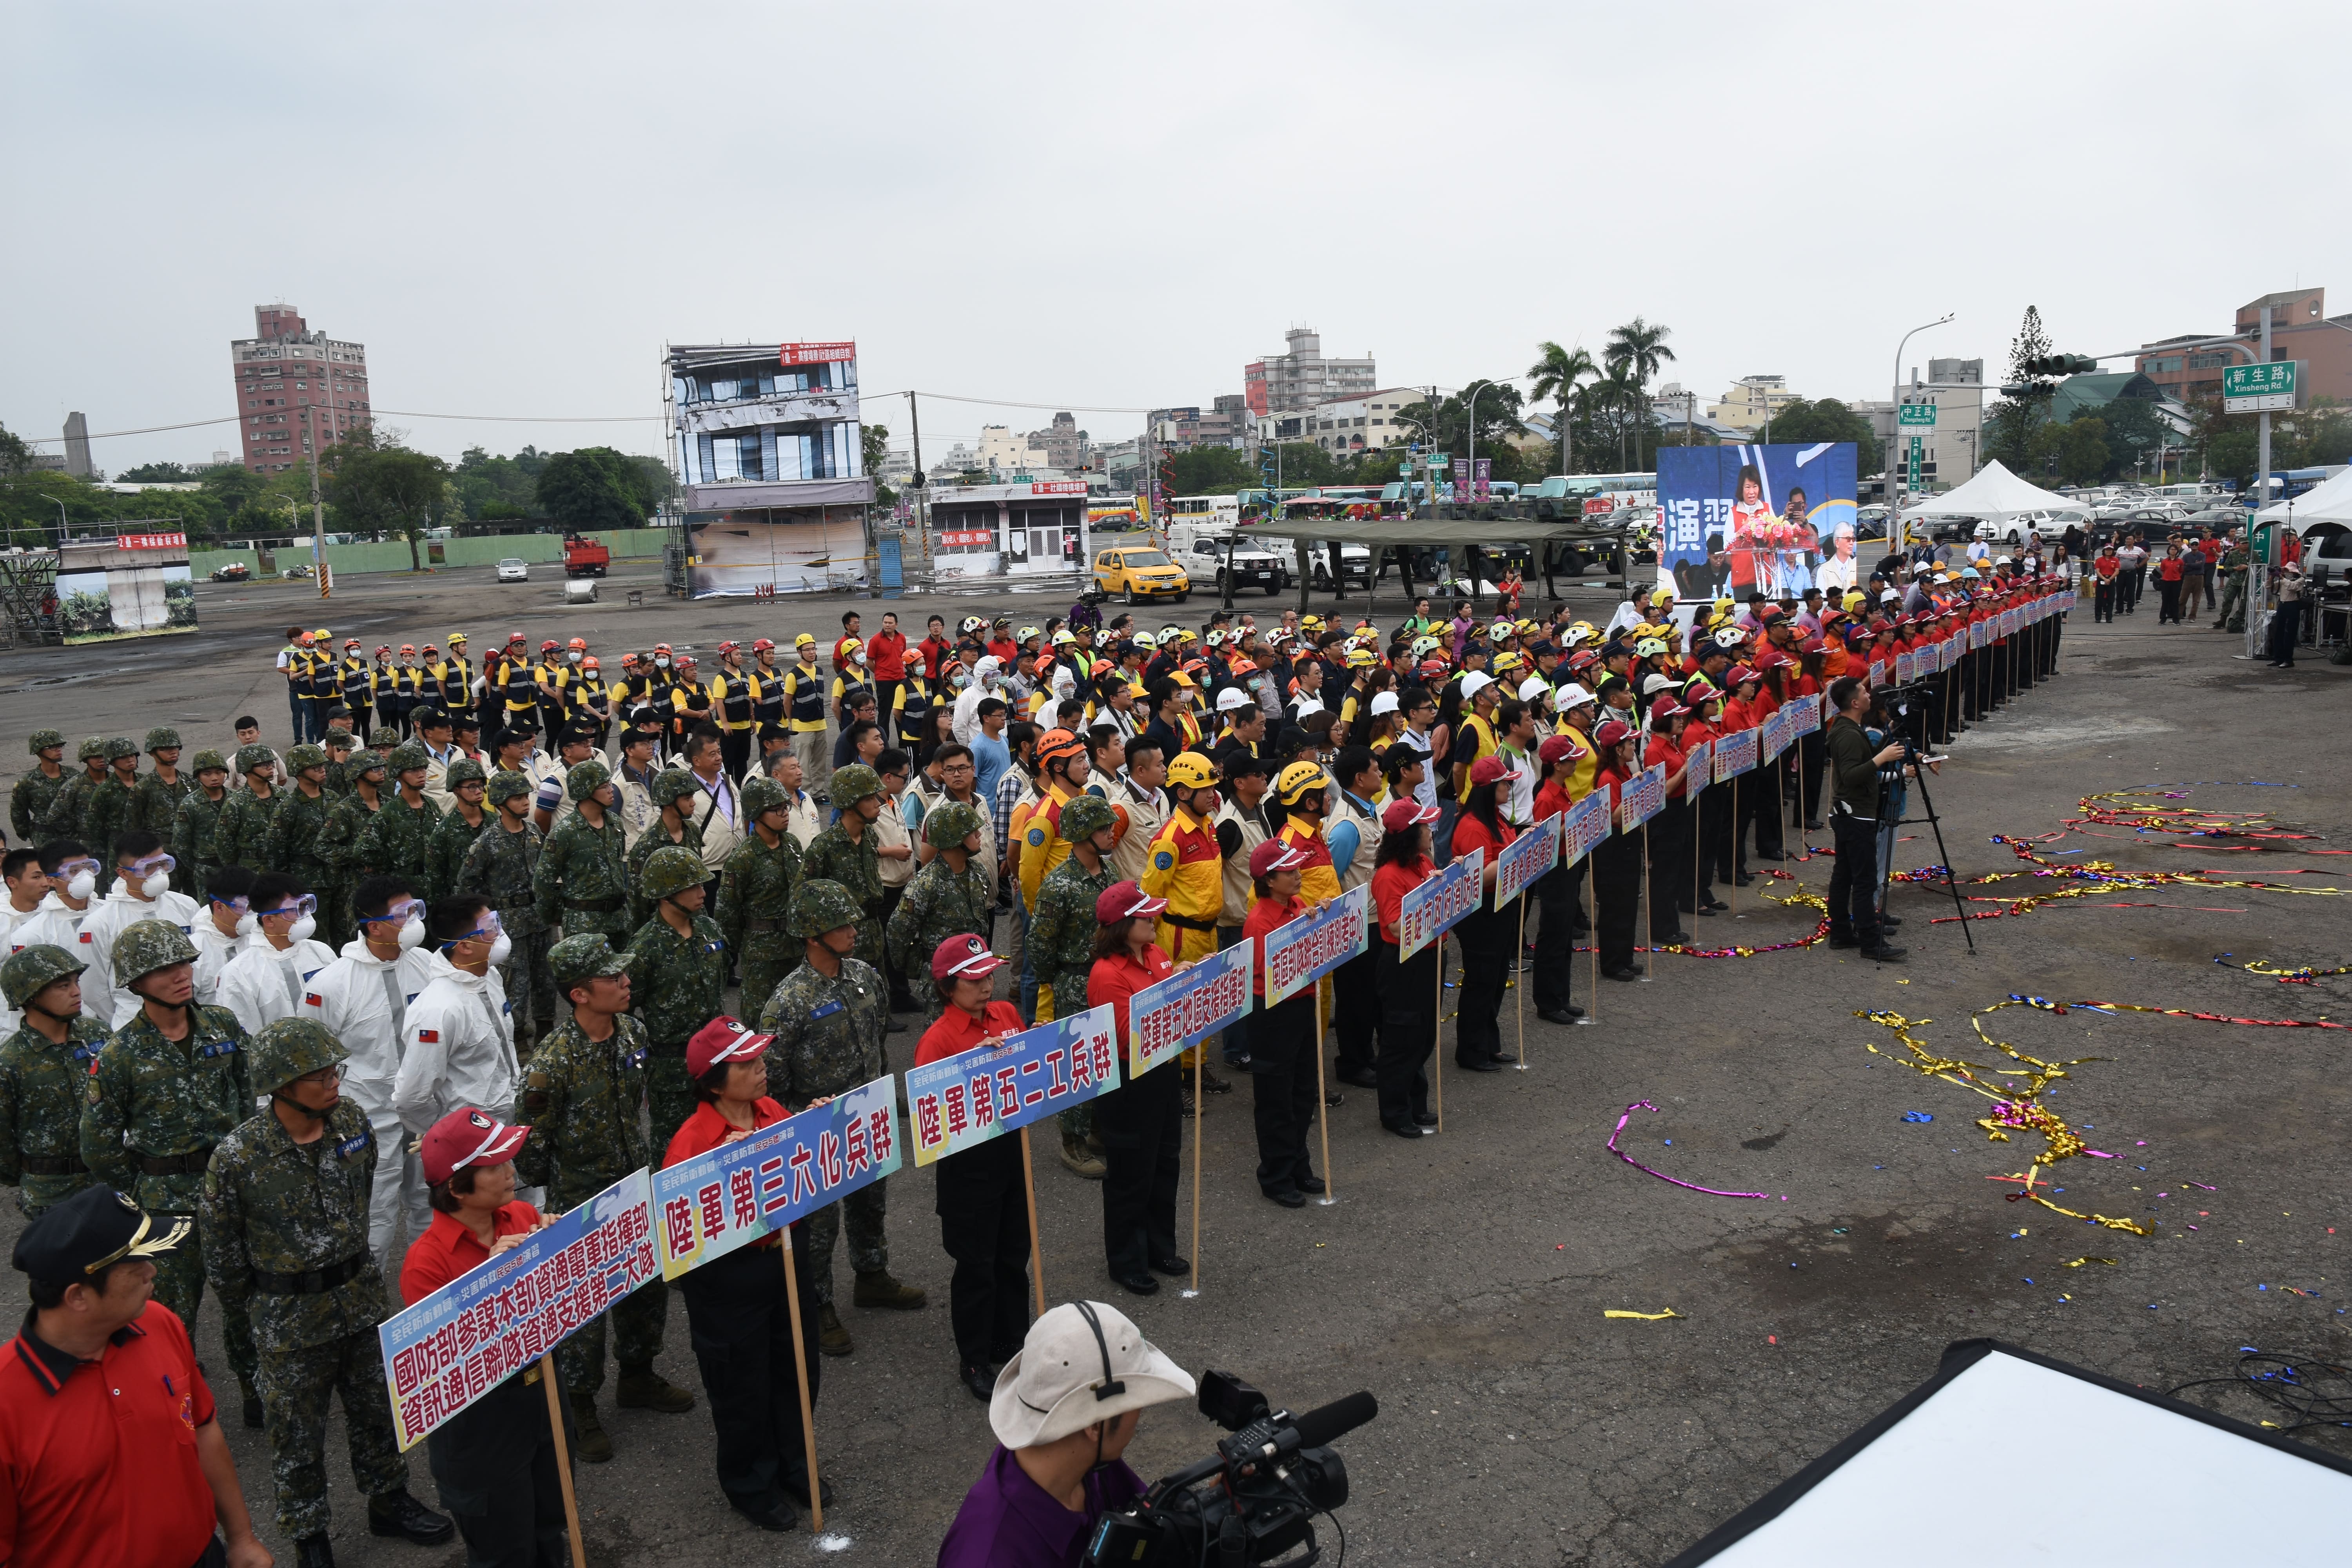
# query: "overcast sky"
{"type": "Point", "coordinates": [1111, 206]}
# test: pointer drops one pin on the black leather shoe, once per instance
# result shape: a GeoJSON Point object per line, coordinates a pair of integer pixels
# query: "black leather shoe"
{"type": "Point", "coordinates": [796, 1489]}
{"type": "Point", "coordinates": [1630, 971]}
{"type": "Point", "coordinates": [1362, 1077]}
{"type": "Point", "coordinates": [1669, 939]}
{"type": "Point", "coordinates": [1313, 1184]}
{"type": "Point", "coordinates": [777, 1516]}
{"type": "Point", "coordinates": [1407, 1131]}
{"type": "Point", "coordinates": [1172, 1265]}
{"type": "Point", "coordinates": [1334, 1098]}
{"type": "Point", "coordinates": [397, 1513]}
{"type": "Point", "coordinates": [1884, 954]}
{"type": "Point", "coordinates": [1889, 922]}
{"type": "Point", "coordinates": [1503, 1058]}
{"type": "Point", "coordinates": [1707, 913]}
{"type": "Point", "coordinates": [1715, 904]}
{"type": "Point", "coordinates": [1136, 1284]}
{"type": "Point", "coordinates": [1425, 1119]}
{"type": "Point", "coordinates": [1567, 1014]}
{"type": "Point", "coordinates": [1812, 827]}
{"type": "Point", "coordinates": [1211, 1084]}
{"type": "Point", "coordinates": [314, 1551]}
{"type": "Point", "coordinates": [1289, 1198]}
{"type": "Point", "coordinates": [1743, 878]}
{"type": "Point", "coordinates": [1484, 1064]}
{"type": "Point", "coordinates": [1837, 940]}
{"type": "Point", "coordinates": [978, 1383]}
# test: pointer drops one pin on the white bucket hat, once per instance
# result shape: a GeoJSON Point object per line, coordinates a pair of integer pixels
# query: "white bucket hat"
{"type": "Point", "coordinates": [1082, 1363]}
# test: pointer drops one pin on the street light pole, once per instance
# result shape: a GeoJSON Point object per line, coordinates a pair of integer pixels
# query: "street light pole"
{"type": "Point", "coordinates": [1893, 427]}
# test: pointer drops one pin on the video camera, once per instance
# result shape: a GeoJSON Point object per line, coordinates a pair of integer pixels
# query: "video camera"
{"type": "Point", "coordinates": [1251, 1501]}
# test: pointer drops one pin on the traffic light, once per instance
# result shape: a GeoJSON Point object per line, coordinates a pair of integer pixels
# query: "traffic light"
{"type": "Point", "coordinates": [2060, 364]}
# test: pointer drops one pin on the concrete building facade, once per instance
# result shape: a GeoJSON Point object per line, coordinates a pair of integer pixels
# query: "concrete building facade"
{"type": "Point", "coordinates": [772, 425]}
{"type": "Point", "coordinates": [292, 381]}
{"type": "Point", "coordinates": [1752, 400]}
{"type": "Point", "coordinates": [2300, 328]}
{"type": "Point", "coordinates": [1297, 379]}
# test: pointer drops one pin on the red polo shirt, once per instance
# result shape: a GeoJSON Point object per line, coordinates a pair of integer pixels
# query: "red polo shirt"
{"type": "Point", "coordinates": [705, 1130]}
{"type": "Point", "coordinates": [1391, 883]}
{"type": "Point", "coordinates": [888, 654]}
{"type": "Point", "coordinates": [98, 1458]}
{"type": "Point", "coordinates": [1267, 915]}
{"type": "Point", "coordinates": [957, 1031]}
{"type": "Point", "coordinates": [1117, 978]}
{"type": "Point", "coordinates": [448, 1249]}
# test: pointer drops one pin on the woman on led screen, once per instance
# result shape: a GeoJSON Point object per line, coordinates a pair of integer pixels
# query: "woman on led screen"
{"type": "Point", "coordinates": [1799, 544]}
{"type": "Point", "coordinates": [1751, 526]}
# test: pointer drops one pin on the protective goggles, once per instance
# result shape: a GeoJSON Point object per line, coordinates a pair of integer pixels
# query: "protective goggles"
{"type": "Point", "coordinates": [294, 909]}
{"type": "Point", "coordinates": [69, 869]}
{"type": "Point", "coordinates": [397, 913]}
{"type": "Point", "coordinates": [158, 861]}
{"type": "Point", "coordinates": [488, 930]}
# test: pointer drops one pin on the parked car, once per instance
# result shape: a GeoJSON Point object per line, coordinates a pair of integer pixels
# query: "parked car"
{"type": "Point", "coordinates": [1141, 574]}
{"type": "Point", "coordinates": [296, 572]}
{"type": "Point", "coordinates": [514, 569]}
{"type": "Point", "coordinates": [234, 571]}
{"type": "Point", "coordinates": [1253, 565]}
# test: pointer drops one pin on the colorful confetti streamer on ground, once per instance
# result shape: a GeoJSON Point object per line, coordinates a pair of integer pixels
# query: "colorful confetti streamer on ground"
{"type": "Point", "coordinates": [1711, 1192]}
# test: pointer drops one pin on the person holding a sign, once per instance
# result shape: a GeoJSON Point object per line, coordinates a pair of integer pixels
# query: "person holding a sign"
{"type": "Point", "coordinates": [735, 1304]}
{"type": "Point", "coordinates": [1670, 835]}
{"type": "Point", "coordinates": [1616, 859]}
{"type": "Point", "coordinates": [1282, 1037]}
{"type": "Point", "coordinates": [493, 1463]}
{"type": "Point", "coordinates": [1061, 935]}
{"type": "Point", "coordinates": [1141, 1120]}
{"type": "Point", "coordinates": [1556, 890]}
{"type": "Point", "coordinates": [1484, 934]}
{"type": "Point", "coordinates": [1407, 986]}
{"type": "Point", "coordinates": [983, 1202]}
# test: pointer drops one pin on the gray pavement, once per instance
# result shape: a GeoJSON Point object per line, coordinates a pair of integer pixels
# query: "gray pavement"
{"type": "Point", "coordinates": [1463, 1280]}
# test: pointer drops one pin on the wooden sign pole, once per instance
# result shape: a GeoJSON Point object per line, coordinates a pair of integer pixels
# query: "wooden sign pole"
{"type": "Point", "coordinates": [547, 1378]}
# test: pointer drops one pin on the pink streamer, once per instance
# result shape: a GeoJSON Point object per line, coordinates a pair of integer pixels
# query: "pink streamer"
{"type": "Point", "coordinates": [1711, 1192]}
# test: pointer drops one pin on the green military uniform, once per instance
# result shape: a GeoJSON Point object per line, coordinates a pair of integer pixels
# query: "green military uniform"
{"type": "Point", "coordinates": [678, 984]}
{"type": "Point", "coordinates": [1062, 933]}
{"type": "Point", "coordinates": [398, 839]}
{"type": "Point", "coordinates": [671, 788]}
{"type": "Point", "coordinates": [290, 846]}
{"type": "Point", "coordinates": [284, 1231]}
{"type": "Point", "coordinates": [833, 856]}
{"type": "Point", "coordinates": [581, 1099]}
{"type": "Point", "coordinates": [108, 816]}
{"type": "Point", "coordinates": [42, 1086]}
{"type": "Point", "coordinates": [339, 769]}
{"type": "Point", "coordinates": [68, 812]}
{"type": "Point", "coordinates": [582, 880]}
{"type": "Point", "coordinates": [2232, 612]}
{"type": "Point", "coordinates": [337, 848]}
{"type": "Point", "coordinates": [194, 835]}
{"type": "Point", "coordinates": [453, 834]}
{"type": "Point", "coordinates": [35, 793]}
{"type": "Point", "coordinates": [500, 866]}
{"type": "Point", "coordinates": [156, 805]}
{"type": "Point", "coordinates": [153, 1110]}
{"type": "Point", "coordinates": [241, 832]}
{"type": "Point", "coordinates": [941, 904]}
{"type": "Point", "coordinates": [755, 897]}
{"type": "Point", "coordinates": [828, 1033]}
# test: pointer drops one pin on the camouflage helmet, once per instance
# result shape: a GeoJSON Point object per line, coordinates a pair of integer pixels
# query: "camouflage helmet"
{"type": "Point", "coordinates": [120, 747]}
{"type": "Point", "coordinates": [42, 739]}
{"type": "Point", "coordinates": [91, 746]}
{"type": "Point", "coordinates": [308, 754]}
{"type": "Point", "coordinates": [162, 738]}
{"type": "Point", "coordinates": [30, 970]}
{"type": "Point", "coordinates": [340, 736]}
{"type": "Point", "coordinates": [254, 756]}
{"type": "Point", "coordinates": [854, 783]}
{"type": "Point", "coordinates": [383, 738]}
{"type": "Point", "coordinates": [577, 960]}
{"type": "Point", "coordinates": [505, 785]}
{"type": "Point", "coordinates": [143, 947]}
{"type": "Point", "coordinates": [585, 779]}
{"type": "Point", "coordinates": [464, 770]}
{"type": "Point", "coordinates": [210, 760]}
{"type": "Point", "coordinates": [408, 755]}
{"type": "Point", "coordinates": [820, 905]}
{"type": "Point", "coordinates": [1086, 815]}
{"type": "Point", "coordinates": [289, 1047]}
{"type": "Point", "coordinates": [761, 794]}
{"type": "Point", "coordinates": [673, 785]}
{"type": "Point", "coordinates": [671, 869]}
{"type": "Point", "coordinates": [950, 824]}
{"type": "Point", "coordinates": [363, 761]}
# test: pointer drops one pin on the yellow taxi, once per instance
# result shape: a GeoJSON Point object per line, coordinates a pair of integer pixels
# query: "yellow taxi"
{"type": "Point", "coordinates": [1141, 573]}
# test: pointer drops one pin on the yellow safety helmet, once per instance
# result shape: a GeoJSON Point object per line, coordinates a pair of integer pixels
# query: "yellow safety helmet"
{"type": "Point", "coordinates": [804, 640]}
{"type": "Point", "coordinates": [1295, 781]}
{"type": "Point", "coordinates": [1191, 770]}
{"type": "Point", "coordinates": [1362, 658]}
{"type": "Point", "coordinates": [1507, 661]}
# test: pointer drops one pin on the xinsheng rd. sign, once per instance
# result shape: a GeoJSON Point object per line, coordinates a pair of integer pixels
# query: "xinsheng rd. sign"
{"type": "Point", "coordinates": [2259, 388]}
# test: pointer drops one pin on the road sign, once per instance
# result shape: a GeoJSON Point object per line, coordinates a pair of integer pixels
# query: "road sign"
{"type": "Point", "coordinates": [2259, 388]}
{"type": "Point", "coordinates": [1918, 444]}
{"type": "Point", "coordinates": [1440, 459]}
{"type": "Point", "coordinates": [1910, 413]}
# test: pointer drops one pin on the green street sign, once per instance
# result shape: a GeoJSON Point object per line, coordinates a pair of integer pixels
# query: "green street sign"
{"type": "Point", "coordinates": [1908, 415]}
{"type": "Point", "coordinates": [1916, 447]}
{"type": "Point", "coordinates": [1440, 459]}
{"type": "Point", "coordinates": [2259, 388]}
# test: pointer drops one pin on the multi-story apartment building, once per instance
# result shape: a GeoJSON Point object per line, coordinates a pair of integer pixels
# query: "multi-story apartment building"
{"type": "Point", "coordinates": [292, 383]}
{"type": "Point", "coordinates": [767, 426]}
{"type": "Point", "coordinates": [2300, 328]}
{"type": "Point", "coordinates": [1296, 379]}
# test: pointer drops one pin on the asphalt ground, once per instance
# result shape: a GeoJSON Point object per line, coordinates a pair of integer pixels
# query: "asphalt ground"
{"type": "Point", "coordinates": [1463, 1280]}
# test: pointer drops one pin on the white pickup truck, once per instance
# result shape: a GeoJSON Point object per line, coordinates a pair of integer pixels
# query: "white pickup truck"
{"type": "Point", "coordinates": [1203, 555]}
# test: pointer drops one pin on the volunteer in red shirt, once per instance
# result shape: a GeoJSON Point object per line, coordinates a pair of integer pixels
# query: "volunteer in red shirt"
{"type": "Point", "coordinates": [1670, 835]}
{"type": "Point", "coordinates": [935, 650]}
{"type": "Point", "coordinates": [983, 1195]}
{"type": "Point", "coordinates": [886, 655]}
{"type": "Point", "coordinates": [1616, 859]}
{"type": "Point", "coordinates": [494, 1462]}
{"type": "Point", "coordinates": [109, 1451]}
{"type": "Point", "coordinates": [843, 645]}
{"type": "Point", "coordinates": [1282, 1037]}
{"type": "Point", "coordinates": [1485, 936]}
{"type": "Point", "coordinates": [1408, 985]}
{"type": "Point", "coordinates": [741, 1320]}
{"type": "Point", "coordinates": [1141, 1120]}
{"type": "Point", "coordinates": [1555, 892]}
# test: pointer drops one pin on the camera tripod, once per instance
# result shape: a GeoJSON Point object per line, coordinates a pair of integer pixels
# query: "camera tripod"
{"type": "Point", "coordinates": [1905, 717]}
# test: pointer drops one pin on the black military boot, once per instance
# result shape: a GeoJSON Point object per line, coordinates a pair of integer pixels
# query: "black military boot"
{"type": "Point", "coordinates": [398, 1513]}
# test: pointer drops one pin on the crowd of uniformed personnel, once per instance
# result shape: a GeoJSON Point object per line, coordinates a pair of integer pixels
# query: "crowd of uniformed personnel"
{"type": "Point", "coordinates": [535, 889]}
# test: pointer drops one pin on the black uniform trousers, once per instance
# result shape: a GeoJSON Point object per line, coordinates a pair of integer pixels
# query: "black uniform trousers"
{"type": "Point", "coordinates": [1282, 1089]}
{"type": "Point", "coordinates": [1356, 1010]}
{"type": "Point", "coordinates": [1141, 1126]}
{"type": "Point", "coordinates": [983, 1209]}
{"type": "Point", "coordinates": [1555, 896]}
{"type": "Point", "coordinates": [735, 751]}
{"type": "Point", "coordinates": [1616, 895]}
{"type": "Point", "coordinates": [1486, 938]}
{"type": "Point", "coordinates": [1812, 757]}
{"type": "Point", "coordinates": [742, 1328]}
{"type": "Point", "coordinates": [1408, 1030]}
{"type": "Point", "coordinates": [1714, 847]}
{"type": "Point", "coordinates": [1759, 814]}
{"type": "Point", "coordinates": [1853, 884]}
{"type": "Point", "coordinates": [1670, 865]}
{"type": "Point", "coordinates": [493, 1464]}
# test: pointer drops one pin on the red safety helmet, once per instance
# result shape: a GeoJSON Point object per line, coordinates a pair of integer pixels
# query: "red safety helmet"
{"type": "Point", "coordinates": [408, 650]}
{"type": "Point", "coordinates": [513, 638]}
{"type": "Point", "coordinates": [383, 651]}
{"type": "Point", "coordinates": [731, 647]}
{"type": "Point", "coordinates": [764, 644]}
{"type": "Point", "coordinates": [550, 645]}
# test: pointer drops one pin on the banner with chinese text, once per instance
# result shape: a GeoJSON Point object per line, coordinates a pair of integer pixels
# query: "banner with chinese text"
{"type": "Point", "coordinates": [973, 1095]}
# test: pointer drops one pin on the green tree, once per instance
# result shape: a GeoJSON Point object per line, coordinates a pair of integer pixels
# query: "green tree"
{"type": "Point", "coordinates": [1638, 349]}
{"type": "Point", "coordinates": [1214, 471]}
{"type": "Point", "coordinates": [2082, 451]}
{"type": "Point", "coordinates": [593, 487]}
{"type": "Point", "coordinates": [1559, 374]}
{"type": "Point", "coordinates": [16, 453]}
{"type": "Point", "coordinates": [156, 474]}
{"type": "Point", "coordinates": [2134, 431]}
{"type": "Point", "coordinates": [1827, 419]}
{"type": "Point", "coordinates": [874, 451]}
{"type": "Point", "coordinates": [388, 488]}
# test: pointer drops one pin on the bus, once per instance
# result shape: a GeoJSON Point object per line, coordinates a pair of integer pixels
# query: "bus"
{"type": "Point", "coordinates": [1602, 493]}
{"type": "Point", "coordinates": [1216, 513]}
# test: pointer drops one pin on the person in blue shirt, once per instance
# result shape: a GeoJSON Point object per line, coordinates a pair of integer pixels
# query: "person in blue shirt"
{"type": "Point", "coordinates": [989, 751]}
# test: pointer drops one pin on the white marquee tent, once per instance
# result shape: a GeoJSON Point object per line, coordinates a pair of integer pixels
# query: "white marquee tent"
{"type": "Point", "coordinates": [2330, 502]}
{"type": "Point", "coordinates": [1993, 494]}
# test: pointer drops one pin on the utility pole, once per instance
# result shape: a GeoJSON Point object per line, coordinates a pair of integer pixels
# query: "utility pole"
{"type": "Point", "coordinates": [2262, 452]}
{"type": "Point", "coordinates": [318, 509]}
{"type": "Point", "coordinates": [922, 492]}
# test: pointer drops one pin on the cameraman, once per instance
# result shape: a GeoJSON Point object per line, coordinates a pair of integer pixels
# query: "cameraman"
{"type": "Point", "coordinates": [1854, 769]}
{"type": "Point", "coordinates": [1066, 1408]}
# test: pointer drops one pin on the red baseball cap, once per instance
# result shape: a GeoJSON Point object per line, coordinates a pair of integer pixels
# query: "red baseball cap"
{"type": "Point", "coordinates": [1274, 856]}
{"type": "Point", "coordinates": [1490, 770]}
{"type": "Point", "coordinates": [1403, 813]}
{"type": "Point", "coordinates": [963, 957]}
{"type": "Point", "coordinates": [1612, 733]}
{"type": "Point", "coordinates": [465, 1138]}
{"type": "Point", "coordinates": [1558, 748]}
{"type": "Point", "coordinates": [723, 1039]}
{"type": "Point", "coordinates": [1121, 900]}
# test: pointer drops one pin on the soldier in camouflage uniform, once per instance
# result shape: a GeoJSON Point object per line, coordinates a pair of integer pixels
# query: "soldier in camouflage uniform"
{"type": "Point", "coordinates": [338, 845]}
{"type": "Point", "coordinates": [283, 1224]}
{"type": "Point", "coordinates": [384, 738]}
{"type": "Point", "coordinates": [678, 979]}
{"type": "Point", "coordinates": [170, 1085]}
{"type": "Point", "coordinates": [582, 1096]}
{"type": "Point", "coordinates": [464, 784]}
{"type": "Point", "coordinates": [241, 832]}
{"type": "Point", "coordinates": [755, 892]}
{"type": "Point", "coordinates": [292, 845]}
{"type": "Point", "coordinates": [1062, 940]}
{"type": "Point", "coordinates": [671, 790]}
{"type": "Point", "coordinates": [500, 866]}
{"type": "Point", "coordinates": [582, 882]}
{"type": "Point", "coordinates": [68, 811]}
{"type": "Point", "coordinates": [398, 840]}
{"type": "Point", "coordinates": [156, 801]}
{"type": "Point", "coordinates": [36, 792]}
{"type": "Point", "coordinates": [829, 1017]}
{"type": "Point", "coordinates": [950, 896]}
{"type": "Point", "coordinates": [44, 1075]}
{"type": "Point", "coordinates": [195, 822]}
{"type": "Point", "coordinates": [339, 745]}
{"type": "Point", "coordinates": [109, 815]}
{"type": "Point", "coordinates": [845, 853]}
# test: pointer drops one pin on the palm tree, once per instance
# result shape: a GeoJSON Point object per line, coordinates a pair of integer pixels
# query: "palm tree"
{"type": "Point", "coordinates": [1638, 350]}
{"type": "Point", "coordinates": [1557, 373]}
{"type": "Point", "coordinates": [1616, 398]}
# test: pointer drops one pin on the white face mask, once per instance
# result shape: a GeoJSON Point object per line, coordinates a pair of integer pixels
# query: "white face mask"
{"type": "Point", "coordinates": [575, 658]}
{"type": "Point", "coordinates": [664, 663]}
{"type": "Point", "coordinates": [156, 886]}
{"type": "Point", "coordinates": [501, 949]}
{"type": "Point", "coordinates": [246, 924]}
{"type": "Point", "coordinates": [412, 931]}
{"type": "Point", "coordinates": [302, 929]}
{"type": "Point", "coordinates": [82, 886]}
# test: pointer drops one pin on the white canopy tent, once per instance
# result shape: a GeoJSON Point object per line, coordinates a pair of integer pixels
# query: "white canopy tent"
{"type": "Point", "coordinates": [2329, 502]}
{"type": "Point", "coordinates": [1994, 494]}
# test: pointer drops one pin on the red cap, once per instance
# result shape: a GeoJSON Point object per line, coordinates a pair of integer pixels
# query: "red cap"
{"type": "Point", "coordinates": [1404, 813]}
{"type": "Point", "coordinates": [963, 957]}
{"type": "Point", "coordinates": [723, 1039]}
{"type": "Point", "coordinates": [1121, 900]}
{"type": "Point", "coordinates": [1612, 733]}
{"type": "Point", "coordinates": [1558, 748]}
{"type": "Point", "coordinates": [466, 1137]}
{"type": "Point", "coordinates": [1490, 770]}
{"type": "Point", "coordinates": [1665, 707]}
{"type": "Point", "coordinates": [1274, 856]}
